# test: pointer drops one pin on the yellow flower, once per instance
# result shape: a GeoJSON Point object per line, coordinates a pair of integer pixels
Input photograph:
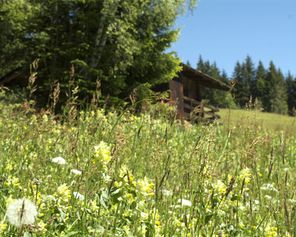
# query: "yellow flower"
{"type": "Point", "coordinates": [12, 182]}
{"type": "Point", "coordinates": [103, 152]}
{"type": "Point", "coordinates": [3, 227]}
{"type": "Point", "coordinates": [42, 226]}
{"type": "Point", "coordinates": [246, 175]}
{"type": "Point", "coordinates": [271, 231]}
{"type": "Point", "coordinates": [146, 187]}
{"type": "Point", "coordinates": [9, 167]}
{"type": "Point", "coordinates": [64, 192]}
{"type": "Point", "coordinates": [220, 187]}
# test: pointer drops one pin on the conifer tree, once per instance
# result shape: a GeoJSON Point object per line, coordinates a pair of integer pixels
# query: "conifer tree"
{"type": "Point", "coordinates": [291, 89]}
{"type": "Point", "coordinates": [249, 75]}
{"type": "Point", "coordinates": [240, 93]}
{"type": "Point", "coordinates": [277, 90]}
{"type": "Point", "coordinates": [261, 88]}
{"type": "Point", "coordinates": [244, 76]}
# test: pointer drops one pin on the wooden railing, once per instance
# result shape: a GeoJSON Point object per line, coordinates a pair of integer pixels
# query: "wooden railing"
{"type": "Point", "coordinates": [198, 111]}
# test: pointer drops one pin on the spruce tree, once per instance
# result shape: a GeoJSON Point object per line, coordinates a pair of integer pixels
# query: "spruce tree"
{"type": "Point", "coordinates": [249, 77]}
{"type": "Point", "coordinates": [240, 93]}
{"type": "Point", "coordinates": [291, 89]}
{"type": "Point", "coordinates": [277, 90]}
{"type": "Point", "coordinates": [244, 77]}
{"type": "Point", "coordinates": [261, 88]}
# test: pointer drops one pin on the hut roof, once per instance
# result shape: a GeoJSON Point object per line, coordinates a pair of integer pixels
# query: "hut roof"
{"type": "Point", "coordinates": [10, 77]}
{"type": "Point", "coordinates": [203, 78]}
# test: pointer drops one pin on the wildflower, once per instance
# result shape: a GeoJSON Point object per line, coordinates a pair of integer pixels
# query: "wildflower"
{"type": "Point", "coordinates": [220, 187]}
{"type": "Point", "coordinates": [21, 212]}
{"type": "Point", "coordinates": [267, 197]}
{"type": "Point", "coordinates": [271, 231]}
{"type": "Point", "coordinates": [144, 215]}
{"type": "Point", "coordinates": [102, 151]}
{"type": "Point", "coordinates": [45, 118]}
{"type": "Point", "coordinates": [3, 227]}
{"type": "Point", "coordinates": [269, 187]}
{"type": "Point", "coordinates": [166, 192]}
{"type": "Point", "coordinates": [12, 182]}
{"type": "Point", "coordinates": [59, 160]}
{"type": "Point", "coordinates": [246, 175]}
{"type": "Point", "coordinates": [64, 192]}
{"type": "Point", "coordinates": [185, 202]}
{"type": "Point", "coordinates": [78, 196]}
{"type": "Point", "coordinates": [76, 172]}
{"type": "Point", "coordinates": [146, 187]}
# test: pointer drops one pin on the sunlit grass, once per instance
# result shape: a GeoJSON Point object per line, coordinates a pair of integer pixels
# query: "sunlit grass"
{"type": "Point", "coordinates": [255, 117]}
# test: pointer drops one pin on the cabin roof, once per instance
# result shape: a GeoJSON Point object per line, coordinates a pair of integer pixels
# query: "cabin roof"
{"type": "Point", "coordinates": [204, 79]}
{"type": "Point", "coordinates": [11, 76]}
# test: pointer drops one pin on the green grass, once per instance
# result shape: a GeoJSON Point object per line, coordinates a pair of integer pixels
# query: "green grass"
{"type": "Point", "coordinates": [265, 120]}
{"type": "Point", "coordinates": [149, 176]}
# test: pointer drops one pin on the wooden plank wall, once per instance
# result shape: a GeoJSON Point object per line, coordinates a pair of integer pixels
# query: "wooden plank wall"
{"type": "Point", "coordinates": [176, 88]}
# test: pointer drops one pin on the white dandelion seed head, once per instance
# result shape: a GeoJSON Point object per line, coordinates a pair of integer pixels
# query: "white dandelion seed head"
{"type": "Point", "coordinates": [21, 212]}
{"type": "Point", "coordinates": [76, 172]}
{"type": "Point", "coordinates": [185, 202]}
{"type": "Point", "coordinates": [59, 160]}
{"type": "Point", "coordinates": [78, 196]}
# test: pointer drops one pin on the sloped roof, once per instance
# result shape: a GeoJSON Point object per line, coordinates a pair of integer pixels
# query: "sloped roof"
{"type": "Point", "coordinates": [11, 76]}
{"type": "Point", "coordinates": [203, 78]}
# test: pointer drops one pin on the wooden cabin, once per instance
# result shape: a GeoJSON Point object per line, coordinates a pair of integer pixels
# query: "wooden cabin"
{"type": "Point", "coordinates": [185, 92]}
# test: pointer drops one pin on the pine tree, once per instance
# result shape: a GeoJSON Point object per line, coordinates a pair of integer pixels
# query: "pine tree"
{"type": "Point", "coordinates": [249, 77]}
{"type": "Point", "coordinates": [277, 90]}
{"type": "Point", "coordinates": [291, 89]}
{"type": "Point", "coordinates": [239, 90]}
{"type": "Point", "coordinates": [261, 89]}
{"type": "Point", "coordinates": [244, 77]}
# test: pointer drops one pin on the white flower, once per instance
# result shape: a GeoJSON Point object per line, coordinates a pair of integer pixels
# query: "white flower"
{"type": "Point", "coordinates": [21, 212]}
{"type": "Point", "coordinates": [59, 160]}
{"type": "Point", "coordinates": [185, 202]}
{"type": "Point", "coordinates": [167, 193]}
{"type": "Point", "coordinates": [78, 196]}
{"type": "Point", "coordinates": [256, 202]}
{"type": "Point", "coordinates": [269, 187]}
{"type": "Point", "coordinates": [269, 198]}
{"type": "Point", "coordinates": [144, 215]}
{"type": "Point", "coordinates": [75, 171]}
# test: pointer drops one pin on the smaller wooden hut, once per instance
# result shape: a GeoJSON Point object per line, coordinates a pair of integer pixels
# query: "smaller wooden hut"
{"type": "Point", "coordinates": [186, 91]}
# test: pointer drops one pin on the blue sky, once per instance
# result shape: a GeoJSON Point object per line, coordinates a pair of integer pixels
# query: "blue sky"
{"type": "Point", "coordinates": [226, 31]}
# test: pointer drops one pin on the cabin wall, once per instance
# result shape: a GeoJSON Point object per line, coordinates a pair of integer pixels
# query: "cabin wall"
{"type": "Point", "coordinates": [186, 94]}
{"type": "Point", "coordinates": [194, 90]}
{"type": "Point", "coordinates": [176, 89]}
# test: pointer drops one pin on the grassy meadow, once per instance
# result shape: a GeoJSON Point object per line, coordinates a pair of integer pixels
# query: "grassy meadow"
{"type": "Point", "coordinates": [147, 175]}
{"type": "Point", "coordinates": [268, 121]}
